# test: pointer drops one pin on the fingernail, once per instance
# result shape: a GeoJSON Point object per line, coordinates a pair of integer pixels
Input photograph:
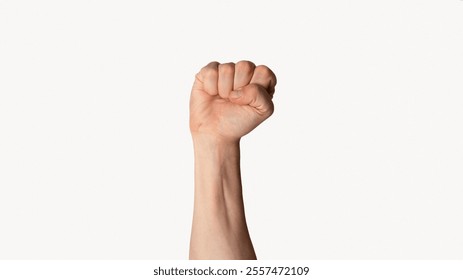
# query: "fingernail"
{"type": "Point", "coordinates": [235, 94]}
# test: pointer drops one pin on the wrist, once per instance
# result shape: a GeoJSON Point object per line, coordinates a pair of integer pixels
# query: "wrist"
{"type": "Point", "coordinates": [217, 162]}
{"type": "Point", "coordinates": [213, 140]}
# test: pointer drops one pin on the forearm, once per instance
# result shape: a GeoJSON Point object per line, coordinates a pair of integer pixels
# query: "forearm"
{"type": "Point", "coordinates": [219, 226]}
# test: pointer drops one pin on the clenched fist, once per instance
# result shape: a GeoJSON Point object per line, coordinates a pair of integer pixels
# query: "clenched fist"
{"type": "Point", "coordinates": [229, 100]}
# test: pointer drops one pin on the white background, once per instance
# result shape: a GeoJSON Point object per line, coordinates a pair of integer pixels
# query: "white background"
{"type": "Point", "coordinates": [362, 158]}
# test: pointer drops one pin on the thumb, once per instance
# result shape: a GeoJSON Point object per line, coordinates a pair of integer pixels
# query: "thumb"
{"type": "Point", "coordinates": [255, 96]}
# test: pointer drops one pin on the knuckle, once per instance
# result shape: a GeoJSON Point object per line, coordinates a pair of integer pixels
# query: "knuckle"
{"type": "Point", "coordinates": [267, 75]}
{"type": "Point", "coordinates": [245, 66]}
{"type": "Point", "coordinates": [227, 68]}
{"type": "Point", "coordinates": [264, 70]}
{"type": "Point", "coordinates": [209, 73]}
{"type": "Point", "coordinates": [209, 67]}
{"type": "Point", "coordinates": [212, 64]}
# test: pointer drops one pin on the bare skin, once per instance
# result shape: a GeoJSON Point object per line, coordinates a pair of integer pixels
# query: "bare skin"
{"type": "Point", "coordinates": [227, 102]}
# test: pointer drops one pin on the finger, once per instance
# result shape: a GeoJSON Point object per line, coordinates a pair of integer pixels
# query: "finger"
{"type": "Point", "coordinates": [265, 77]}
{"type": "Point", "coordinates": [208, 77]}
{"type": "Point", "coordinates": [243, 73]}
{"type": "Point", "coordinates": [255, 96]}
{"type": "Point", "coordinates": [226, 76]}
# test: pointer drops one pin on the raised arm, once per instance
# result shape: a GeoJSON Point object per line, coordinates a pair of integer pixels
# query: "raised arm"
{"type": "Point", "coordinates": [227, 102]}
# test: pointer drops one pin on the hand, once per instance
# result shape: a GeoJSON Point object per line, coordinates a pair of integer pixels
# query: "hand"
{"type": "Point", "coordinates": [228, 101]}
